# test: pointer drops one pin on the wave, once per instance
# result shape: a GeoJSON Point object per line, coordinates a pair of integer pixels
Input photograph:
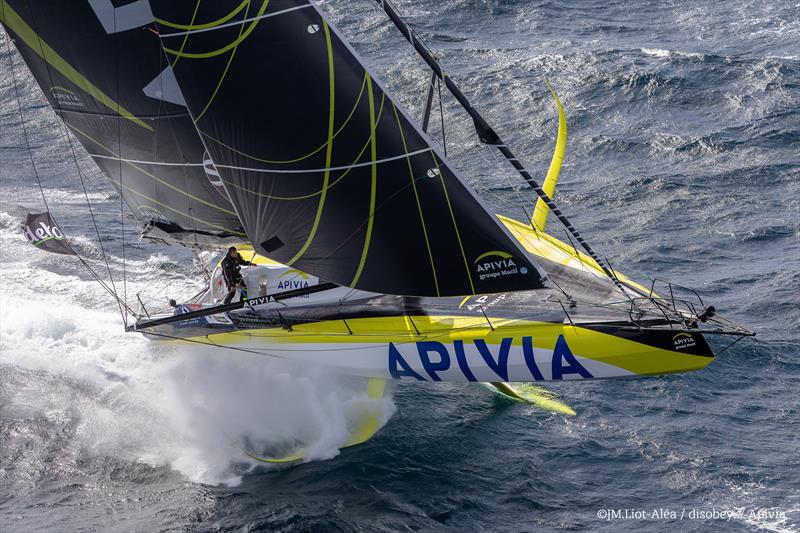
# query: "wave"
{"type": "Point", "coordinates": [660, 52]}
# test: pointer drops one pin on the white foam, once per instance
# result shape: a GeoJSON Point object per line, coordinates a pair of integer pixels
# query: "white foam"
{"type": "Point", "coordinates": [192, 408]}
{"type": "Point", "coordinates": [660, 52]}
{"type": "Point", "coordinates": [657, 52]}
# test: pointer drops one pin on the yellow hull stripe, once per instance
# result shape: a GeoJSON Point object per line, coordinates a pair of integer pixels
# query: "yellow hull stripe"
{"type": "Point", "coordinates": [632, 356]}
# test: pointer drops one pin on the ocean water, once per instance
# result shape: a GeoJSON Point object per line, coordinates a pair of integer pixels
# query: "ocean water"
{"type": "Point", "coordinates": [683, 163]}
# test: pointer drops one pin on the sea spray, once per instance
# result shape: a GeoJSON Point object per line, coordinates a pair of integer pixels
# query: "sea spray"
{"type": "Point", "coordinates": [196, 409]}
{"type": "Point", "coordinates": [226, 404]}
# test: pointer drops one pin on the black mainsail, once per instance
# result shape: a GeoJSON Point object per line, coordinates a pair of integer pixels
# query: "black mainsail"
{"type": "Point", "coordinates": [101, 66]}
{"type": "Point", "coordinates": [326, 172]}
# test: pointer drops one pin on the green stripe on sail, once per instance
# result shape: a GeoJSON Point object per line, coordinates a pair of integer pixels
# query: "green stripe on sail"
{"type": "Point", "coordinates": [232, 44]}
{"type": "Point", "coordinates": [204, 25]}
{"type": "Point", "coordinates": [374, 154]}
{"type": "Point", "coordinates": [329, 151]}
{"type": "Point", "coordinates": [10, 18]}
{"type": "Point", "coordinates": [416, 196]}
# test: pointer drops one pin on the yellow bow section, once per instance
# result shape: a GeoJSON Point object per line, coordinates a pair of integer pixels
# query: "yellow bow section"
{"type": "Point", "coordinates": [541, 211]}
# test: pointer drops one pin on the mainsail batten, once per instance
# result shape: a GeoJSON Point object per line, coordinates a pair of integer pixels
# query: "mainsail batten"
{"type": "Point", "coordinates": [107, 78]}
{"type": "Point", "coordinates": [369, 202]}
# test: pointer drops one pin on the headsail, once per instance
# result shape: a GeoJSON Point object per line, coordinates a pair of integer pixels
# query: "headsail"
{"type": "Point", "coordinates": [326, 172]}
{"type": "Point", "coordinates": [104, 72]}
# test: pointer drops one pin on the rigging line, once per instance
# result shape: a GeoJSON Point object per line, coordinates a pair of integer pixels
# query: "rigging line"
{"type": "Point", "coordinates": [299, 158]}
{"type": "Point", "coordinates": [209, 342]}
{"type": "Point", "coordinates": [41, 189]}
{"type": "Point", "coordinates": [213, 23]}
{"type": "Point", "coordinates": [22, 120]}
{"type": "Point", "coordinates": [327, 169]}
{"type": "Point", "coordinates": [332, 184]}
{"type": "Point", "coordinates": [74, 158]}
{"type": "Point", "coordinates": [426, 115]}
{"type": "Point", "coordinates": [574, 248]}
{"type": "Point", "coordinates": [28, 35]}
{"type": "Point", "coordinates": [329, 152]}
{"type": "Point", "coordinates": [119, 149]}
{"type": "Point", "coordinates": [151, 176]}
{"type": "Point", "coordinates": [441, 114]}
{"type": "Point", "coordinates": [213, 53]}
{"type": "Point", "coordinates": [242, 22]}
{"type": "Point", "coordinates": [522, 199]}
{"type": "Point", "coordinates": [185, 39]}
{"type": "Point", "coordinates": [489, 136]}
{"type": "Point", "coordinates": [224, 72]}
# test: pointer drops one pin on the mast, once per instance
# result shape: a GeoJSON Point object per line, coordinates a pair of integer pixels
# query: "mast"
{"type": "Point", "coordinates": [486, 133]}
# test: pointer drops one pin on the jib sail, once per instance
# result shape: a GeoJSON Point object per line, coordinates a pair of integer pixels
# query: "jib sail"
{"type": "Point", "coordinates": [104, 72]}
{"type": "Point", "coordinates": [326, 172]}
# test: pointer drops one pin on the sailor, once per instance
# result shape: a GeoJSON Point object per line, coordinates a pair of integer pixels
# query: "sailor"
{"type": "Point", "coordinates": [231, 267]}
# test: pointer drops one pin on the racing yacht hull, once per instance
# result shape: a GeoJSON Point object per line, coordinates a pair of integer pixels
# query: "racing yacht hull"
{"type": "Point", "coordinates": [593, 332]}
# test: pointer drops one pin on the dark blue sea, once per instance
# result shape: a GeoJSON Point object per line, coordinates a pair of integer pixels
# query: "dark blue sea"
{"type": "Point", "coordinates": [683, 163]}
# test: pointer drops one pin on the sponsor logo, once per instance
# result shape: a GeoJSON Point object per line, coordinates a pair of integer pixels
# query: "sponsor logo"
{"type": "Point", "coordinates": [432, 358]}
{"type": "Point", "coordinates": [41, 232]}
{"type": "Point", "coordinates": [683, 341]}
{"type": "Point", "coordinates": [151, 213]}
{"type": "Point", "coordinates": [65, 97]}
{"type": "Point", "coordinates": [258, 300]}
{"type": "Point", "coordinates": [484, 302]}
{"type": "Point", "coordinates": [293, 283]}
{"type": "Point", "coordinates": [495, 264]}
{"type": "Point", "coordinates": [213, 175]}
{"type": "Point", "coordinates": [210, 320]}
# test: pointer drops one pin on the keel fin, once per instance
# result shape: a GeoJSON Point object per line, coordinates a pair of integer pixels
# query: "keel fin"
{"type": "Point", "coordinates": [541, 210]}
{"type": "Point", "coordinates": [538, 396]}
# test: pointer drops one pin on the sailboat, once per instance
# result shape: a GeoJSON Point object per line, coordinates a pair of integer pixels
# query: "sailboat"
{"type": "Point", "coordinates": [255, 124]}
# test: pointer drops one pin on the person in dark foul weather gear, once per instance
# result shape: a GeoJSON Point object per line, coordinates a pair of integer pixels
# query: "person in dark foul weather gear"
{"type": "Point", "coordinates": [231, 271]}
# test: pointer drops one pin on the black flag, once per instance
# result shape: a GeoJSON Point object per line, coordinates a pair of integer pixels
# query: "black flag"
{"type": "Point", "coordinates": [43, 233]}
